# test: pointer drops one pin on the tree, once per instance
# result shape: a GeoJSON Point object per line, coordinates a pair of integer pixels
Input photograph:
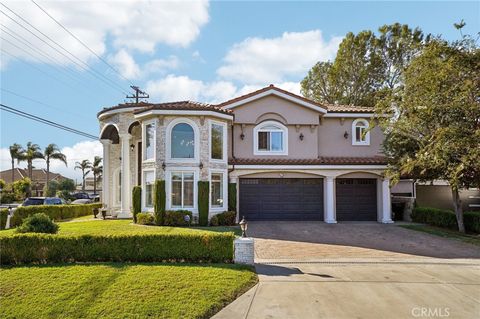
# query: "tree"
{"type": "Point", "coordinates": [435, 131]}
{"type": "Point", "coordinates": [97, 170]}
{"type": "Point", "coordinates": [16, 152]}
{"type": "Point", "coordinates": [22, 187]}
{"type": "Point", "coordinates": [31, 153]}
{"type": "Point", "coordinates": [51, 188]}
{"type": "Point", "coordinates": [84, 166]}
{"type": "Point", "coordinates": [66, 184]}
{"type": "Point", "coordinates": [53, 152]}
{"type": "Point", "coordinates": [365, 65]}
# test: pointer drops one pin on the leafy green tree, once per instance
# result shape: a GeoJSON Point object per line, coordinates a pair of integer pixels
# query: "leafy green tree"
{"type": "Point", "coordinates": [53, 152]}
{"type": "Point", "coordinates": [97, 170]}
{"type": "Point", "coordinates": [85, 167]}
{"type": "Point", "coordinates": [2, 184]}
{"type": "Point", "coordinates": [16, 152]}
{"type": "Point", "coordinates": [22, 187]}
{"type": "Point", "coordinates": [435, 130]}
{"type": "Point", "coordinates": [51, 188]}
{"type": "Point", "coordinates": [66, 184]}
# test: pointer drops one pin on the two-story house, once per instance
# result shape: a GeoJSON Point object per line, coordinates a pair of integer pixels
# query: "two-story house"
{"type": "Point", "coordinates": [291, 158]}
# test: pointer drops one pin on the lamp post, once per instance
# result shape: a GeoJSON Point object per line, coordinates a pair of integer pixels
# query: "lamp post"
{"type": "Point", "coordinates": [243, 225]}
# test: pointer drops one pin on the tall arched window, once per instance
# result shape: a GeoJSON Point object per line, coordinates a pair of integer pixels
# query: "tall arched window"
{"type": "Point", "coordinates": [182, 141]}
{"type": "Point", "coordinates": [360, 133]}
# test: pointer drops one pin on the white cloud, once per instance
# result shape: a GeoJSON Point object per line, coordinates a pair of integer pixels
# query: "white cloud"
{"type": "Point", "coordinates": [134, 25]}
{"type": "Point", "coordinates": [176, 88]}
{"type": "Point", "coordinates": [126, 65]}
{"type": "Point", "coordinates": [270, 60]}
{"type": "Point", "coordinates": [76, 153]}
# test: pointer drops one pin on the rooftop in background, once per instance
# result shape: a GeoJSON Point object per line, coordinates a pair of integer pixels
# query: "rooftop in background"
{"type": "Point", "coordinates": [38, 175]}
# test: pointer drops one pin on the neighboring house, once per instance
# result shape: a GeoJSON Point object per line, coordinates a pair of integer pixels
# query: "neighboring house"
{"type": "Point", "coordinates": [39, 178]}
{"type": "Point", "coordinates": [291, 158]}
{"type": "Point", "coordinates": [89, 185]}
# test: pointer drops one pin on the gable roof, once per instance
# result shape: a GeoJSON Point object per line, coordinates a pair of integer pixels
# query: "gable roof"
{"type": "Point", "coordinates": [38, 175]}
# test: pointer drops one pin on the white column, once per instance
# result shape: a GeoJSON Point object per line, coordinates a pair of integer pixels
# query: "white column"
{"type": "Point", "coordinates": [106, 199]}
{"type": "Point", "coordinates": [330, 217]}
{"type": "Point", "coordinates": [386, 202]}
{"type": "Point", "coordinates": [126, 176]}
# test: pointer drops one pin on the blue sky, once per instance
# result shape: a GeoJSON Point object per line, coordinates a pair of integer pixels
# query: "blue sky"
{"type": "Point", "coordinates": [201, 51]}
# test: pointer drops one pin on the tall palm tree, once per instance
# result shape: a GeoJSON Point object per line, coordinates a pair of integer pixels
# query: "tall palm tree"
{"type": "Point", "coordinates": [32, 152]}
{"type": "Point", "coordinates": [84, 166]}
{"type": "Point", "coordinates": [16, 151]}
{"type": "Point", "coordinates": [53, 152]}
{"type": "Point", "coordinates": [97, 171]}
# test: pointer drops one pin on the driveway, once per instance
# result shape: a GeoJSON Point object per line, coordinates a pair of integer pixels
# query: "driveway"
{"type": "Point", "coordinates": [358, 270]}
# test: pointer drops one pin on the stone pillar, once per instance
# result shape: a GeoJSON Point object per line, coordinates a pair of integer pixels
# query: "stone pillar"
{"type": "Point", "coordinates": [386, 202]}
{"type": "Point", "coordinates": [126, 176]}
{"type": "Point", "coordinates": [330, 217]}
{"type": "Point", "coordinates": [106, 198]}
{"type": "Point", "coordinates": [244, 251]}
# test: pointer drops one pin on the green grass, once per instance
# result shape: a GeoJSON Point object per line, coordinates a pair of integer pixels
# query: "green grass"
{"type": "Point", "coordinates": [446, 233]}
{"type": "Point", "coordinates": [113, 227]}
{"type": "Point", "coordinates": [110, 290]}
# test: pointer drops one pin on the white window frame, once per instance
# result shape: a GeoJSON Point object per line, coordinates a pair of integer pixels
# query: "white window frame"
{"type": "Point", "coordinates": [224, 141]}
{"type": "Point", "coordinates": [365, 142]}
{"type": "Point", "coordinates": [196, 149]}
{"type": "Point", "coordinates": [168, 187]}
{"type": "Point", "coordinates": [144, 140]}
{"type": "Point", "coordinates": [117, 187]}
{"type": "Point", "coordinates": [224, 190]}
{"type": "Point", "coordinates": [259, 128]}
{"type": "Point", "coordinates": [144, 193]}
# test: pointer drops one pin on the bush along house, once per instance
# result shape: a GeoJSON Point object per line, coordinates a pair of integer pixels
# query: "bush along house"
{"type": "Point", "coordinates": [268, 155]}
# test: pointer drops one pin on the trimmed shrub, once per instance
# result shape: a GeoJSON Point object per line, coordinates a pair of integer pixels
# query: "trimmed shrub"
{"type": "Point", "coordinates": [445, 218]}
{"type": "Point", "coordinates": [45, 248]}
{"type": "Point", "coordinates": [136, 202]}
{"type": "Point", "coordinates": [203, 204]}
{"type": "Point", "coordinates": [232, 196]}
{"type": "Point", "coordinates": [227, 218]}
{"type": "Point", "coordinates": [145, 219]}
{"type": "Point", "coordinates": [55, 212]}
{"type": "Point", "coordinates": [159, 201]}
{"type": "Point", "coordinates": [38, 223]}
{"type": "Point", "coordinates": [7, 197]}
{"type": "Point", "coordinates": [214, 220]}
{"type": "Point", "coordinates": [3, 218]}
{"type": "Point", "coordinates": [177, 218]}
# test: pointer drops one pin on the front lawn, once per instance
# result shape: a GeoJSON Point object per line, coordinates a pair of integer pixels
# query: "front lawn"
{"type": "Point", "coordinates": [446, 233]}
{"type": "Point", "coordinates": [111, 290]}
{"type": "Point", "coordinates": [124, 227]}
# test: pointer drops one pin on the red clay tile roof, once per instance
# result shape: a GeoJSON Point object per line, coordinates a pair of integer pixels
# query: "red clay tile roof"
{"type": "Point", "coordinates": [124, 106]}
{"type": "Point", "coordinates": [184, 105]}
{"type": "Point", "coordinates": [375, 160]}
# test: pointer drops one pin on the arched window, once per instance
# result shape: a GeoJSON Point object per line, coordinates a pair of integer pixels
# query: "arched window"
{"type": "Point", "coordinates": [270, 138]}
{"type": "Point", "coordinates": [182, 141]}
{"type": "Point", "coordinates": [360, 133]}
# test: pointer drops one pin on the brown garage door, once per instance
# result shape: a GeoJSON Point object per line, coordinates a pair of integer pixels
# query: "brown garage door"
{"type": "Point", "coordinates": [356, 199]}
{"type": "Point", "coordinates": [281, 198]}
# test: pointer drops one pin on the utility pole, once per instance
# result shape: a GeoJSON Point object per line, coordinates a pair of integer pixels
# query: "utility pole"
{"type": "Point", "coordinates": [139, 94]}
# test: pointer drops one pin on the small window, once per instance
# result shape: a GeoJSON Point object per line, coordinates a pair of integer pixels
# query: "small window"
{"type": "Point", "coordinates": [217, 190]}
{"type": "Point", "coordinates": [182, 141]}
{"type": "Point", "coordinates": [149, 141]}
{"type": "Point", "coordinates": [361, 135]}
{"type": "Point", "coordinates": [216, 139]}
{"type": "Point", "coordinates": [149, 177]}
{"type": "Point", "coordinates": [118, 189]}
{"type": "Point", "coordinates": [271, 138]}
{"type": "Point", "coordinates": [182, 189]}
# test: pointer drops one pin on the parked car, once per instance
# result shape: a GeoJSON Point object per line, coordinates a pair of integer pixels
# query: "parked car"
{"type": "Point", "coordinates": [82, 201]}
{"type": "Point", "coordinates": [81, 195]}
{"type": "Point", "coordinates": [31, 201]}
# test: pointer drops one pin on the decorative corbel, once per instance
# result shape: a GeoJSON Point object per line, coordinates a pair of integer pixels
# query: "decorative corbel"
{"type": "Point", "coordinates": [342, 120]}
{"type": "Point", "coordinates": [297, 127]}
{"type": "Point", "coordinates": [320, 120]}
{"type": "Point", "coordinates": [312, 128]}
{"type": "Point", "coordinates": [160, 119]}
{"type": "Point", "coordinates": [202, 120]}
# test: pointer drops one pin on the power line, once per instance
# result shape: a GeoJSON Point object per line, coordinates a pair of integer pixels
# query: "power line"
{"type": "Point", "coordinates": [81, 42]}
{"type": "Point", "coordinates": [45, 121]}
{"type": "Point", "coordinates": [83, 65]}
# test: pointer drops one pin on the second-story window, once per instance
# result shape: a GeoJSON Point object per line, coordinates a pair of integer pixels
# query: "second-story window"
{"type": "Point", "coordinates": [216, 141]}
{"type": "Point", "coordinates": [360, 133]}
{"type": "Point", "coordinates": [149, 141]}
{"type": "Point", "coordinates": [183, 141]}
{"type": "Point", "coordinates": [270, 138]}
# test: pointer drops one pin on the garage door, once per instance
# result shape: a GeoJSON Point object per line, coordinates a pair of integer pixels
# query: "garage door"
{"type": "Point", "coordinates": [356, 199]}
{"type": "Point", "coordinates": [281, 198]}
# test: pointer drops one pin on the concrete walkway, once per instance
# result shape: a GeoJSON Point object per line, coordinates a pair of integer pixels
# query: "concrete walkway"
{"type": "Point", "coordinates": [358, 270]}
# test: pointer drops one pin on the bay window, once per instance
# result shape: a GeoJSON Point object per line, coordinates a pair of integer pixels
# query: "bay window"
{"type": "Point", "coordinates": [149, 179]}
{"type": "Point", "coordinates": [216, 190]}
{"type": "Point", "coordinates": [149, 137]}
{"type": "Point", "coordinates": [216, 141]}
{"type": "Point", "coordinates": [182, 189]}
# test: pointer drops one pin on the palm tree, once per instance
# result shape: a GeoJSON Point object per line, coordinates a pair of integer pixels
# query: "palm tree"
{"type": "Point", "coordinates": [32, 152]}
{"type": "Point", "coordinates": [16, 151]}
{"type": "Point", "coordinates": [84, 167]}
{"type": "Point", "coordinates": [53, 152]}
{"type": "Point", "coordinates": [97, 172]}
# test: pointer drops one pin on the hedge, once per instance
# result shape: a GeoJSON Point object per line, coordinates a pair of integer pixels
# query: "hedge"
{"type": "Point", "coordinates": [445, 218]}
{"type": "Point", "coordinates": [232, 197]}
{"type": "Point", "coordinates": [227, 218]}
{"type": "Point", "coordinates": [3, 217]}
{"type": "Point", "coordinates": [159, 201]}
{"type": "Point", "coordinates": [55, 212]}
{"type": "Point", "coordinates": [136, 202]}
{"type": "Point", "coordinates": [203, 202]}
{"type": "Point", "coordinates": [177, 218]}
{"type": "Point", "coordinates": [47, 248]}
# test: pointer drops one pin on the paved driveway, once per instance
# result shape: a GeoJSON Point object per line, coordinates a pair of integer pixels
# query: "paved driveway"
{"type": "Point", "coordinates": [358, 270]}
